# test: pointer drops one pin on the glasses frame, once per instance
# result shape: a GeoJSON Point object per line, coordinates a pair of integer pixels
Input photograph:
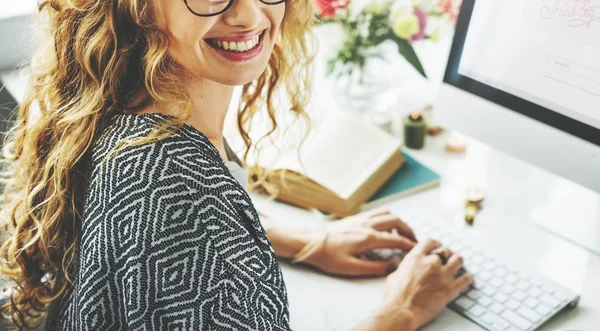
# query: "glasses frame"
{"type": "Point", "coordinates": [227, 7]}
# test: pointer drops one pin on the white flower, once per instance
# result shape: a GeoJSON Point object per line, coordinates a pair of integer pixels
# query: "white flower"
{"type": "Point", "coordinates": [377, 7]}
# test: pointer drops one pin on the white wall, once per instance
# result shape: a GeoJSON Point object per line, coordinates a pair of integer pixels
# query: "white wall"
{"type": "Point", "coordinates": [16, 27]}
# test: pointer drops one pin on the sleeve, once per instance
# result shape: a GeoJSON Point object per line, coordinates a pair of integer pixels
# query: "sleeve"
{"type": "Point", "coordinates": [176, 278]}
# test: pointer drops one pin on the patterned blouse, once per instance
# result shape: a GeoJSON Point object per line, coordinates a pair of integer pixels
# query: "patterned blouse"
{"type": "Point", "coordinates": [169, 241]}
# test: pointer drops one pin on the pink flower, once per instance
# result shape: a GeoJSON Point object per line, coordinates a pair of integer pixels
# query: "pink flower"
{"type": "Point", "coordinates": [450, 8]}
{"type": "Point", "coordinates": [422, 16]}
{"type": "Point", "coordinates": [328, 8]}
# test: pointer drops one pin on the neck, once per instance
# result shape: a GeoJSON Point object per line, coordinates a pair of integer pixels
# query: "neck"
{"type": "Point", "coordinates": [210, 104]}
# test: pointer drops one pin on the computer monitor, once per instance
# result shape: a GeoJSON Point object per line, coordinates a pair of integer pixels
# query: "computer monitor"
{"type": "Point", "coordinates": [524, 77]}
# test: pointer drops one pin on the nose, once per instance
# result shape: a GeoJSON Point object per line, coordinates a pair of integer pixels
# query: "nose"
{"type": "Point", "coordinates": [246, 14]}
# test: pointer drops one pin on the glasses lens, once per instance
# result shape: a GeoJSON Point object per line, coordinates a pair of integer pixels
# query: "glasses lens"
{"type": "Point", "coordinates": [207, 7]}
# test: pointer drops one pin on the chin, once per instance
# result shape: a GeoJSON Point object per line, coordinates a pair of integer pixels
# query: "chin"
{"type": "Point", "coordinates": [239, 79]}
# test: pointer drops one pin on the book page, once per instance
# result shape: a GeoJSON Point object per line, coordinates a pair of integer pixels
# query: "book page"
{"type": "Point", "coordinates": [342, 152]}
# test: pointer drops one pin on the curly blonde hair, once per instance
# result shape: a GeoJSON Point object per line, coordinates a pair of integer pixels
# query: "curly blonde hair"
{"type": "Point", "coordinates": [99, 56]}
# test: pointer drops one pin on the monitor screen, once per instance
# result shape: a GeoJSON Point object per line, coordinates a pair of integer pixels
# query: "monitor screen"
{"type": "Point", "coordinates": [544, 52]}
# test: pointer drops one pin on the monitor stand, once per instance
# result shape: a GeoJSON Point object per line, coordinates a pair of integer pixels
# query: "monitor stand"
{"type": "Point", "coordinates": [572, 213]}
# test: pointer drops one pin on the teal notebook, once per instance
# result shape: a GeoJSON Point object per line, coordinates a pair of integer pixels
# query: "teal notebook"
{"type": "Point", "coordinates": [411, 178]}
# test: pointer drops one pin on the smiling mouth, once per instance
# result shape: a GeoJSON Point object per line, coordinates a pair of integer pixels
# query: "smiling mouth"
{"type": "Point", "coordinates": [237, 46]}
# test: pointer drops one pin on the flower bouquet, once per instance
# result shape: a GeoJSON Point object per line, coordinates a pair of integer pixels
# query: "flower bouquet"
{"type": "Point", "coordinates": [402, 22]}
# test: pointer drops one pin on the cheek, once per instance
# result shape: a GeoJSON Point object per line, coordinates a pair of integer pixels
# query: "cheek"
{"type": "Point", "coordinates": [186, 35]}
{"type": "Point", "coordinates": [275, 15]}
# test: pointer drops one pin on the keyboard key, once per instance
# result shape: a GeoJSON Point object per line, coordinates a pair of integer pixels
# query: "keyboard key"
{"type": "Point", "coordinates": [531, 303]}
{"type": "Point", "coordinates": [485, 275]}
{"type": "Point", "coordinates": [464, 303]}
{"type": "Point", "coordinates": [500, 297]}
{"type": "Point", "coordinates": [477, 310]}
{"type": "Point", "coordinates": [543, 309]}
{"type": "Point", "coordinates": [474, 294]}
{"type": "Point", "coordinates": [515, 319]}
{"type": "Point", "coordinates": [549, 300]}
{"type": "Point", "coordinates": [512, 304]}
{"type": "Point", "coordinates": [489, 266]}
{"type": "Point", "coordinates": [474, 269]}
{"type": "Point", "coordinates": [558, 296]}
{"type": "Point", "coordinates": [519, 296]}
{"type": "Point", "coordinates": [497, 308]}
{"type": "Point", "coordinates": [501, 272]}
{"type": "Point", "coordinates": [529, 314]}
{"type": "Point", "coordinates": [524, 276]}
{"type": "Point", "coordinates": [496, 282]}
{"type": "Point", "coordinates": [508, 289]}
{"type": "Point", "coordinates": [523, 285]}
{"type": "Point", "coordinates": [466, 253]}
{"type": "Point", "coordinates": [548, 289]}
{"type": "Point", "coordinates": [457, 247]}
{"type": "Point", "coordinates": [534, 292]}
{"type": "Point", "coordinates": [511, 279]}
{"type": "Point", "coordinates": [488, 318]}
{"type": "Point", "coordinates": [488, 291]}
{"type": "Point", "coordinates": [496, 322]}
{"type": "Point", "coordinates": [485, 301]}
{"type": "Point", "coordinates": [478, 259]}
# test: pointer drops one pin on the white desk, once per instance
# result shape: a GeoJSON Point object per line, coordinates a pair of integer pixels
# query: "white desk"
{"type": "Point", "coordinates": [515, 191]}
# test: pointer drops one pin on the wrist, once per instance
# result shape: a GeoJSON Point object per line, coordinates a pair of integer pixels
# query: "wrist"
{"type": "Point", "coordinates": [393, 317]}
{"type": "Point", "coordinates": [287, 240]}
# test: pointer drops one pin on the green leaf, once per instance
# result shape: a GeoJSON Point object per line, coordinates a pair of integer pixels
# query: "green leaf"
{"type": "Point", "coordinates": [406, 49]}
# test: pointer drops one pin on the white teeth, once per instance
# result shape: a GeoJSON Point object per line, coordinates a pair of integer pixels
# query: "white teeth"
{"type": "Point", "coordinates": [240, 46]}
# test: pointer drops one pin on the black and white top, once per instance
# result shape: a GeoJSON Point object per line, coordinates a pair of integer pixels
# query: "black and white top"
{"type": "Point", "coordinates": [169, 241]}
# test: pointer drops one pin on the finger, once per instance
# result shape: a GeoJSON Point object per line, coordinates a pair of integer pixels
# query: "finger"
{"type": "Point", "coordinates": [462, 282]}
{"type": "Point", "coordinates": [387, 222]}
{"type": "Point", "coordinates": [360, 267]}
{"type": "Point", "coordinates": [426, 247]}
{"type": "Point", "coordinates": [455, 263]}
{"type": "Point", "coordinates": [377, 239]}
{"type": "Point", "coordinates": [447, 252]}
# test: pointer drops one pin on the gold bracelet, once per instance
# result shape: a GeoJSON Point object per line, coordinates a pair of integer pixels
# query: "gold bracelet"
{"type": "Point", "coordinates": [311, 247]}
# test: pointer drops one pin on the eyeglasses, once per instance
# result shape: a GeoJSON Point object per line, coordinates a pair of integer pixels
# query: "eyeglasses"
{"type": "Point", "coordinates": [207, 8]}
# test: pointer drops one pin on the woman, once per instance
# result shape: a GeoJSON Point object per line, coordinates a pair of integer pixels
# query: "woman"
{"type": "Point", "coordinates": [125, 210]}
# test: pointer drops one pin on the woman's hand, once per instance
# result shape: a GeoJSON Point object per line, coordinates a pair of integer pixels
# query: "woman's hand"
{"type": "Point", "coordinates": [352, 236]}
{"type": "Point", "coordinates": [422, 286]}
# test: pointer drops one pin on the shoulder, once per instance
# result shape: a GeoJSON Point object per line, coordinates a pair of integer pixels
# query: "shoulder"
{"type": "Point", "coordinates": [181, 169]}
{"type": "Point", "coordinates": [185, 153]}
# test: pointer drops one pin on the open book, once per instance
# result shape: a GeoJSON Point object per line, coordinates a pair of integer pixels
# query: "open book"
{"type": "Point", "coordinates": [341, 165]}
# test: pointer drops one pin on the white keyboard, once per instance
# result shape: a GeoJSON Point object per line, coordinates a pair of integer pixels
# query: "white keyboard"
{"type": "Point", "coordinates": [502, 298]}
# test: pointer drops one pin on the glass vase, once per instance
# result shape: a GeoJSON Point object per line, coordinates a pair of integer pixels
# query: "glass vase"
{"type": "Point", "coordinates": [373, 90]}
